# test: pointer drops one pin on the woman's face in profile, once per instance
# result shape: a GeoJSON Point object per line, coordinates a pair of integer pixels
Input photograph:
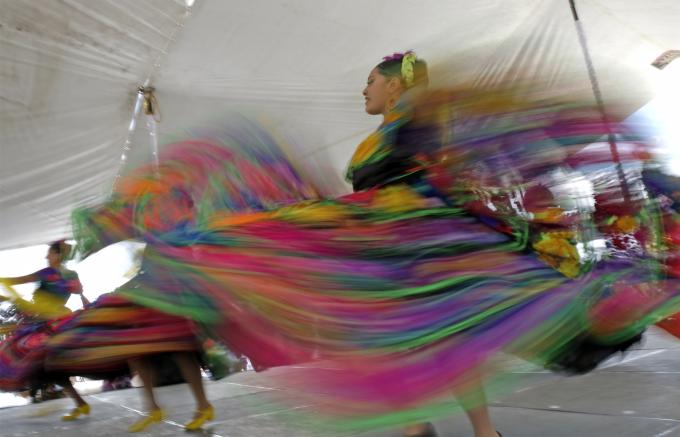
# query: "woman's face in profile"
{"type": "Point", "coordinates": [376, 93]}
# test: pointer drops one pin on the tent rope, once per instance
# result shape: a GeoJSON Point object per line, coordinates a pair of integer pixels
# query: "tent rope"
{"type": "Point", "coordinates": [597, 93]}
{"type": "Point", "coordinates": [146, 102]}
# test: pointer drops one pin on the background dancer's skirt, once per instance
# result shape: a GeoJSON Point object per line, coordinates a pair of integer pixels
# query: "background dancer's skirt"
{"type": "Point", "coordinates": [101, 338]}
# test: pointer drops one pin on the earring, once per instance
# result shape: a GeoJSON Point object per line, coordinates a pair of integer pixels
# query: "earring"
{"type": "Point", "coordinates": [391, 103]}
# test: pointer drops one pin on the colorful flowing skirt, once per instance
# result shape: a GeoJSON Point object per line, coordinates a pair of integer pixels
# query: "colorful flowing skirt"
{"type": "Point", "coordinates": [95, 342]}
{"type": "Point", "coordinates": [405, 291]}
{"type": "Point", "coordinates": [100, 339]}
{"type": "Point", "coordinates": [22, 354]}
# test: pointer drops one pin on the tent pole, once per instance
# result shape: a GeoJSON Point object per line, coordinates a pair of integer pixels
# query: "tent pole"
{"type": "Point", "coordinates": [611, 139]}
{"type": "Point", "coordinates": [574, 12]}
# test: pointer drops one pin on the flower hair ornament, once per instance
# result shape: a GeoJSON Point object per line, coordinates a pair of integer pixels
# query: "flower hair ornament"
{"type": "Point", "coordinates": [408, 62]}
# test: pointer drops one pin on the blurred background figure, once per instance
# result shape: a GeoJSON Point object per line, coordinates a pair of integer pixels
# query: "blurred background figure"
{"type": "Point", "coordinates": [22, 353]}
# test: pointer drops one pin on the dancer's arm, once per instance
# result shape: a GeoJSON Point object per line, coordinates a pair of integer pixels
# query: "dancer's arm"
{"type": "Point", "coordinates": [76, 287]}
{"type": "Point", "coordinates": [33, 277]}
{"type": "Point", "coordinates": [85, 301]}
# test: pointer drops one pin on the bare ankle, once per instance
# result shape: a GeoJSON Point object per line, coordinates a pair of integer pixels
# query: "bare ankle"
{"type": "Point", "coordinates": [418, 429]}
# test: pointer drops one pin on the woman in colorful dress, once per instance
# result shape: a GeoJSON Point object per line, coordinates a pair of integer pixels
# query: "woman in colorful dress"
{"type": "Point", "coordinates": [408, 287]}
{"type": "Point", "coordinates": [100, 341]}
{"type": "Point", "coordinates": [56, 283]}
{"type": "Point", "coordinates": [386, 85]}
{"type": "Point", "coordinates": [114, 333]}
{"type": "Point", "coordinates": [22, 354]}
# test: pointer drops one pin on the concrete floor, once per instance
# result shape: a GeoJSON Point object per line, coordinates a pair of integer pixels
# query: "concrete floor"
{"type": "Point", "coordinates": [636, 396]}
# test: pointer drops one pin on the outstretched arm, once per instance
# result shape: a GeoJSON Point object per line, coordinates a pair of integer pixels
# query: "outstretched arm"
{"type": "Point", "coordinates": [85, 301]}
{"type": "Point", "coordinates": [33, 277]}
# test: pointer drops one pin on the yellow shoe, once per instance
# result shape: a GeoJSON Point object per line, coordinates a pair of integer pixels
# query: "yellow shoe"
{"type": "Point", "coordinates": [154, 417]}
{"type": "Point", "coordinates": [200, 418]}
{"type": "Point", "coordinates": [76, 412]}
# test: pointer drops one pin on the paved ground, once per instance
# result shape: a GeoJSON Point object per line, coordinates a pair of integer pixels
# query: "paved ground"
{"type": "Point", "coordinates": [638, 396]}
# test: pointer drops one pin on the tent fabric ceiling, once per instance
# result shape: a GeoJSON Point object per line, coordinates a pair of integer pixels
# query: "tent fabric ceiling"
{"type": "Point", "coordinates": [69, 71]}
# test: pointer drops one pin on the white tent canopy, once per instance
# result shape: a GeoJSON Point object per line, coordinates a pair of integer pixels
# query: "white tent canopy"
{"type": "Point", "coordinates": [69, 71]}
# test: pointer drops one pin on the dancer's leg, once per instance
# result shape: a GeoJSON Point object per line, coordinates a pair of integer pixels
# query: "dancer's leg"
{"type": "Point", "coordinates": [71, 392]}
{"type": "Point", "coordinates": [82, 407]}
{"type": "Point", "coordinates": [143, 368]}
{"type": "Point", "coordinates": [475, 405]}
{"type": "Point", "coordinates": [191, 371]}
{"type": "Point", "coordinates": [473, 400]}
